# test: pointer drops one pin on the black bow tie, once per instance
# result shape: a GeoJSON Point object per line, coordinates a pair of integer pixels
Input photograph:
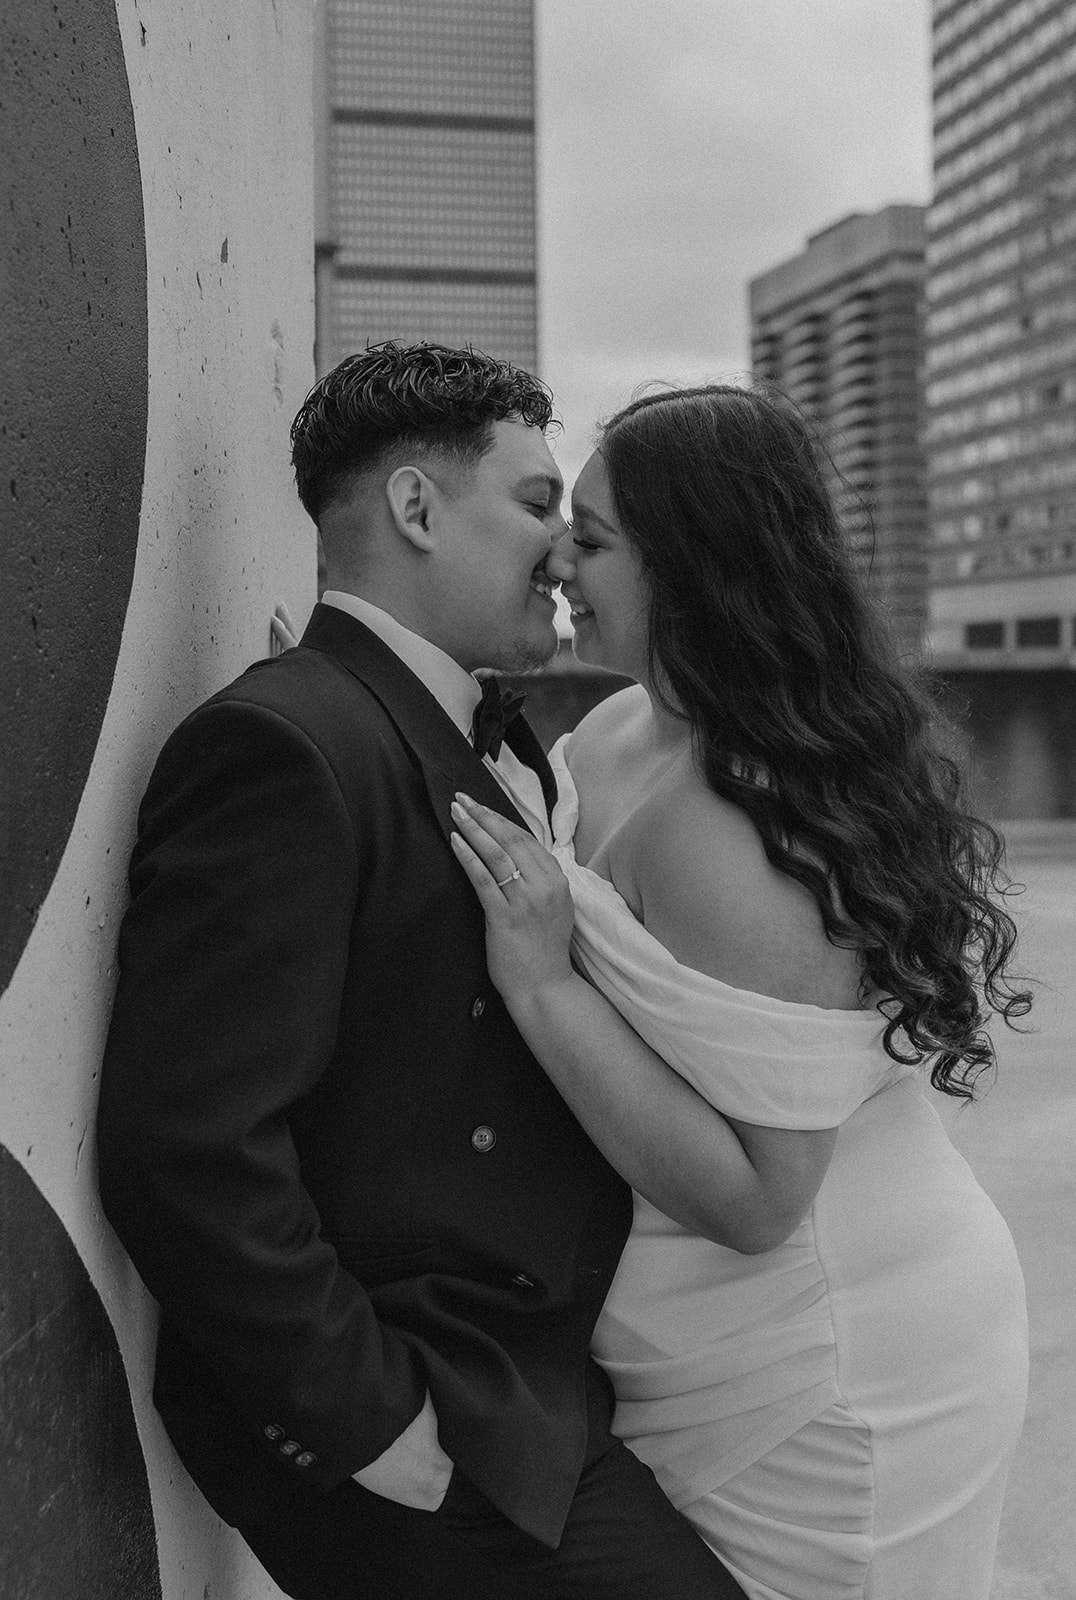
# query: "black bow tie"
{"type": "Point", "coordinates": [492, 715]}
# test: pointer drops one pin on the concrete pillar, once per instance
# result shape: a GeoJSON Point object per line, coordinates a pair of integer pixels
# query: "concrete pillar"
{"type": "Point", "coordinates": [158, 310]}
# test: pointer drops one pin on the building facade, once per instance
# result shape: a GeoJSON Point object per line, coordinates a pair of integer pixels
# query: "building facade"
{"type": "Point", "coordinates": [426, 225]}
{"type": "Point", "coordinates": [838, 329]}
{"type": "Point", "coordinates": [1000, 382]}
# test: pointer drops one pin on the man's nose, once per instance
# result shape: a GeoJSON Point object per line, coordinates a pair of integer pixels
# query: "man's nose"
{"type": "Point", "coordinates": [559, 563]}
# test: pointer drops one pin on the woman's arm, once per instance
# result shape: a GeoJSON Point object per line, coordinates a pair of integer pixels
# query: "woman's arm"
{"type": "Point", "coordinates": [743, 1186]}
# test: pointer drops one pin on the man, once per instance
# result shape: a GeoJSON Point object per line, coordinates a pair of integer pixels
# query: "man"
{"type": "Point", "coordinates": [379, 1239]}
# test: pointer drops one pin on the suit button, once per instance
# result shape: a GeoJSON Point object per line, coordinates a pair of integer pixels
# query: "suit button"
{"type": "Point", "coordinates": [305, 1458]}
{"type": "Point", "coordinates": [478, 1007]}
{"type": "Point", "coordinates": [273, 1431]}
{"type": "Point", "coordinates": [289, 1447]}
{"type": "Point", "coordinates": [483, 1139]}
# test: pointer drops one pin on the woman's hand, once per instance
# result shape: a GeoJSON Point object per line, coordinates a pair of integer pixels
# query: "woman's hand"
{"type": "Point", "coordinates": [743, 1187]}
{"type": "Point", "coordinates": [282, 630]}
{"type": "Point", "coordinates": [525, 896]}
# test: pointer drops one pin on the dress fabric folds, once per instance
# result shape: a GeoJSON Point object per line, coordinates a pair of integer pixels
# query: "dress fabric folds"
{"type": "Point", "coordinates": [835, 1416]}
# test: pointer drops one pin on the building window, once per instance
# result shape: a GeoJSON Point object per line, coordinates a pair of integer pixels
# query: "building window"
{"type": "Point", "coordinates": [984, 636]}
{"type": "Point", "coordinates": [1038, 633]}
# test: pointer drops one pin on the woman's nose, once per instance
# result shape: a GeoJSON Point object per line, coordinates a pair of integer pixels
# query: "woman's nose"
{"type": "Point", "coordinates": [560, 563]}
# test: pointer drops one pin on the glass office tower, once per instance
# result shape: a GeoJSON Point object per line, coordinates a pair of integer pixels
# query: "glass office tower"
{"type": "Point", "coordinates": [427, 226]}
{"type": "Point", "coordinates": [1000, 384]}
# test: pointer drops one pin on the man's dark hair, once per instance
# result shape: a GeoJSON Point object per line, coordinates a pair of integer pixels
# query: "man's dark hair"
{"type": "Point", "coordinates": [393, 399]}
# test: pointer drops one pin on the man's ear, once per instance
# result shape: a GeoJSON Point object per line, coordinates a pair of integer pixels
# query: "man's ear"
{"type": "Point", "coordinates": [410, 496]}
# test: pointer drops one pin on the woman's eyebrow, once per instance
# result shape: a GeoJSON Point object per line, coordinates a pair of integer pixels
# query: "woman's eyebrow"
{"type": "Point", "coordinates": [590, 515]}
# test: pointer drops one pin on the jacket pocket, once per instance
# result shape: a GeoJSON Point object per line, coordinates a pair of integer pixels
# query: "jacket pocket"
{"type": "Point", "coordinates": [384, 1258]}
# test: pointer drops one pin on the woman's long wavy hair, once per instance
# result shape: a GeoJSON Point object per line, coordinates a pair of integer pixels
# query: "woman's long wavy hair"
{"type": "Point", "coordinates": [762, 636]}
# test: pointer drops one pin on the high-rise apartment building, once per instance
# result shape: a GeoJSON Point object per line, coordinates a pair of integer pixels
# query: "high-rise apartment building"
{"type": "Point", "coordinates": [838, 329]}
{"type": "Point", "coordinates": [427, 182]}
{"type": "Point", "coordinates": [1000, 387]}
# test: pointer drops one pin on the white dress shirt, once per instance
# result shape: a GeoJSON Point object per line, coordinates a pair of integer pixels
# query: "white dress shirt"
{"type": "Point", "coordinates": [457, 692]}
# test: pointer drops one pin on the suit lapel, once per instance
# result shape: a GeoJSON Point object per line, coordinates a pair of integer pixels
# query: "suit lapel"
{"type": "Point", "coordinates": [522, 740]}
{"type": "Point", "coordinates": [442, 754]}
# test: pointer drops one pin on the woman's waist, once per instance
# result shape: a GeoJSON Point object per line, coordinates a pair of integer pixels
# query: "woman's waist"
{"type": "Point", "coordinates": [737, 1370]}
{"type": "Point", "coordinates": [898, 1204]}
{"type": "Point", "coordinates": [685, 1314]}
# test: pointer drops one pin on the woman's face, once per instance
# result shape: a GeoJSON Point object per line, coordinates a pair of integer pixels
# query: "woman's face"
{"type": "Point", "coordinates": [602, 578]}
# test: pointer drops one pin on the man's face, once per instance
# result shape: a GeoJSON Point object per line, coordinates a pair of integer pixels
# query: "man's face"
{"type": "Point", "coordinates": [495, 525]}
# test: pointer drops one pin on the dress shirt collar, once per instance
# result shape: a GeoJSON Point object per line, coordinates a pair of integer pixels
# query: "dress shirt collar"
{"type": "Point", "coordinates": [456, 691]}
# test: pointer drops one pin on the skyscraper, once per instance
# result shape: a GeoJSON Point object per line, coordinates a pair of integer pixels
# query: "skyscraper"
{"type": "Point", "coordinates": [838, 329]}
{"type": "Point", "coordinates": [1001, 334]}
{"type": "Point", "coordinates": [427, 228]}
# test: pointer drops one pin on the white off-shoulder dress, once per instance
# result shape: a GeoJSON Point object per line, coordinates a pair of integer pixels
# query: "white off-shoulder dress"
{"type": "Point", "coordinates": [835, 1416]}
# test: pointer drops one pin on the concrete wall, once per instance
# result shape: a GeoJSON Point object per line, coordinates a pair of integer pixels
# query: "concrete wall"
{"type": "Point", "coordinates": [157, 303]}
{"type": "Point", "coordinates": [1019, 732]}
{"type": "Point", "coordinates": [1015, 731]}
{"type": "Point", "coordinates": [1005, 600]}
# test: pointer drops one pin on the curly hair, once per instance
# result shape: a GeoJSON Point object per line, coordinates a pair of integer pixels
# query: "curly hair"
{"type": "Point", "coordinates": [762, 636]}
{"type": "Point", "coordinates": [392, 398]}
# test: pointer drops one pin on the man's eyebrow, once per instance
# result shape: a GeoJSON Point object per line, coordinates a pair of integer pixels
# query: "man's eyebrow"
{"type": "Point", "coordinates": [579, 510]}
{"type": "Point", "coordinates": [542, 480]}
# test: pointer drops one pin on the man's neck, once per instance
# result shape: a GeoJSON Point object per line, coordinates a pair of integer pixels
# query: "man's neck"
{"type": "Point", "coordinates": [395, 603]}
{"type": "Point", "coordinates": [449, 683]}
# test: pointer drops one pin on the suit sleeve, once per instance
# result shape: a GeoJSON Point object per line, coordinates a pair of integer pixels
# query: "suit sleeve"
{"type": "Point", "coordinates": [232, 958]}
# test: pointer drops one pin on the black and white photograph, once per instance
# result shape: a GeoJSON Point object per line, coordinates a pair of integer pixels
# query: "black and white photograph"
{"type": "Point", "coordinates": [538, 800]}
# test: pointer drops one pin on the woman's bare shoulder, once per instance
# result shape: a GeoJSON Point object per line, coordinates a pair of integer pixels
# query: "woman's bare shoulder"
{"type": "Point", "coordinates": [606, 722]}
{"type": "Point", "coordinates": [711, 897]}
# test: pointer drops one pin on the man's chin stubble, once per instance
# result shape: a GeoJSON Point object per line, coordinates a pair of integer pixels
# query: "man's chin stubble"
{"type": "Point", "coordinates": [516, 659]}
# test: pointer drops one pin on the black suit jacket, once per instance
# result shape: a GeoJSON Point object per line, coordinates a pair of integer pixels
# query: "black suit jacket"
{"type": "Point", "coordinates": [322, 1140]}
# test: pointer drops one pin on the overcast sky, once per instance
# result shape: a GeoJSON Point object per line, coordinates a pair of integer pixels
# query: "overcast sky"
{"type": "Point", "coordinates": [687, 145]}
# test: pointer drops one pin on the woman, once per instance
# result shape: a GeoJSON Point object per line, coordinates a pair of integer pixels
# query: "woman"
{"type": "Point", "coordinates": [817, 1334]}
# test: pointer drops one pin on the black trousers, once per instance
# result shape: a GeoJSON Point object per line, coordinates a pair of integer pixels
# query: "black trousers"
{"type": "Point", "coordinates": [622, 1541]}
